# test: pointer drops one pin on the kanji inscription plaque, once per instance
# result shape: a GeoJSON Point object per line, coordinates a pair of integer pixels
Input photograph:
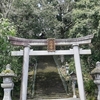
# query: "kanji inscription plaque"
{"type": "Point", "coordinates": [51, 45]}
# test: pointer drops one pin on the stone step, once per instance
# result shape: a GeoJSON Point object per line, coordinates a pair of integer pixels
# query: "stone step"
{"type": "Point", "coordinates": [56, 99]}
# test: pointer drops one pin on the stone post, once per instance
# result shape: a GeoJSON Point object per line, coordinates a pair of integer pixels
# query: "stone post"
{"type": "Point", "coordinates": [73, 79]}
{"type": "Point", "coordinates": [96, 73]}
{"type": "Point", "coordinates": [7, 82]}
{"type": "Point", "coordinates": [73, 87]}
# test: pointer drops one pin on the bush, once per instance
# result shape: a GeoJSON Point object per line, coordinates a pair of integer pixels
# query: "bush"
{"type": "Point", "coordinates": [90, 89]}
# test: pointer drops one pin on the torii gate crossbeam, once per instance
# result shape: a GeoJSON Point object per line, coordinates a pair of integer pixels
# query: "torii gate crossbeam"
{"type": "Point", "coordinates": [76, 51]}
{"type": "Point", "coordinates": [46, 53]}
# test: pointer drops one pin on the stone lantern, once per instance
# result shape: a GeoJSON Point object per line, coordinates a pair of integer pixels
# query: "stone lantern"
{"type": "Point", "coordinates": [67, 68]}
{"type": "Point", "coordinates": [96, 73]}
{"type": "Point", "coordinates": [73, 78]}
{"type": "Point", "coordinates": [7, 82]}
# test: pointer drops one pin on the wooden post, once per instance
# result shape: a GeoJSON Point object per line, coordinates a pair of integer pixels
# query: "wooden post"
{"type": "Point", "coordinates": [79, 72]}
{"type": "Point", "coordinates": [23, 93]}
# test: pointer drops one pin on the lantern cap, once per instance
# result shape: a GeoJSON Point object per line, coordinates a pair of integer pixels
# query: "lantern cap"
{"type": "Point", "coordinates": [7, 72]}
{"type": "Point", "coordinates": [97, 69]}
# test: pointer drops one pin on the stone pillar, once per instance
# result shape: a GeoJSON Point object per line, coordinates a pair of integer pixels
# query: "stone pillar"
{"type": "Point", "coordinates": [73, 87]}
{"type": "Point", "coordinates": [73, 79]}
{"type": "Point", "coordinates": [7, 82]}
{"type": "Point", "coordinates": [79, 72]}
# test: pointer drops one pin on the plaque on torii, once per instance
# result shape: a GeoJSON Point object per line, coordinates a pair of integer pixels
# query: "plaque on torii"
{"type": "Point", "coordinates": [51, 45]}
{"type": "Point", "coordinates": [51, 50]}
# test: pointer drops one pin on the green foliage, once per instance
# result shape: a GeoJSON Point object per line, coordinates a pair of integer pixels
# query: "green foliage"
{"type": "Point", "coordinates": [86, 18]}
{"type": "Point", "coordinates": [28, 19]}
{"type": "Point", "coordinates": [6, 28]}
{"type": "Point", "coordinates": [90, 88]}
{"type": "Point", "coordinates": [48, 18]}
{"type": "Point", "coordinates": [91, 98]}
{"type": "Point", "coordinates": [6, 7]}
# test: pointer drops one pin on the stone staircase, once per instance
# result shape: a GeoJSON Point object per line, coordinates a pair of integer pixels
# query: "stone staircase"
{"type": "Point", "coordinates": [48, 83]}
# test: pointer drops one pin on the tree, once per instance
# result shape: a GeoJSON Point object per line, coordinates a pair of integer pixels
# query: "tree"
{"type": "Point", "coordinates": [42, 18]}
{"type": "Point", "coordinates": [86, 16]}
{"type": "Point", "coordinates": [6, 7]}
{"type": "Point", "coordinates": [6, 28]}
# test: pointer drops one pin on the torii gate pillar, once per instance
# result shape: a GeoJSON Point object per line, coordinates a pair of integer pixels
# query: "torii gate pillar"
{"type": "Point", "coordinates": [23, 93]}
{"type": "Point", "coordinates": [79, 72]}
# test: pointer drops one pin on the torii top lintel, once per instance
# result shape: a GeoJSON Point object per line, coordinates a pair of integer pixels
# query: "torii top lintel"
{"type": "Point", "coordinates": [42, 42]}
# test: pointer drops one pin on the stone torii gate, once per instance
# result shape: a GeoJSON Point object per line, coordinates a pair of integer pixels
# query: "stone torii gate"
{"type": "Point", "coordinates": [51, 50]}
